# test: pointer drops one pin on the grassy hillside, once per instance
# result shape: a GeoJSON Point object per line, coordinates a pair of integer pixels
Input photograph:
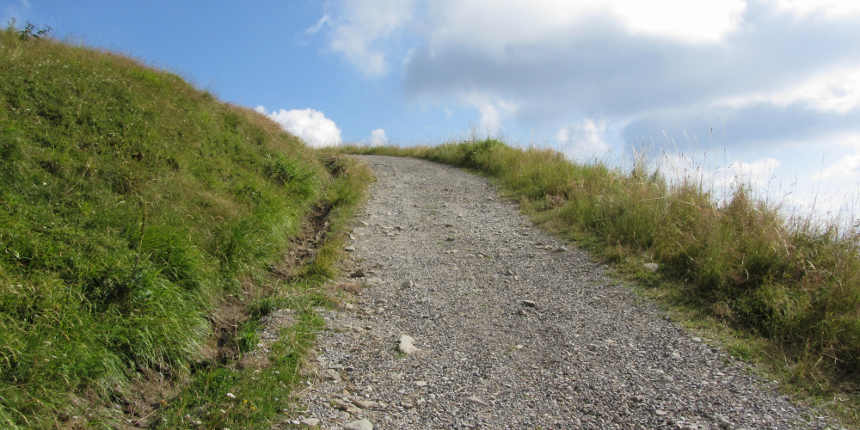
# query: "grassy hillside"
{"type": "Point", "coordinates": [790, 288]}
{"type": "Point", "coordinates": [132, 207]}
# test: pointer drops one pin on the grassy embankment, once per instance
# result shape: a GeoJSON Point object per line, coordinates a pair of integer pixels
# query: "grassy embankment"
{"type": "Point", "coordinates": [785, 291]}
{"type": "Point", "coordinates": [135, 211]}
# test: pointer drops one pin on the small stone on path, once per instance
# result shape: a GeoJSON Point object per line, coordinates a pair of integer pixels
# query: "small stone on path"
{"type": "Point", "coordinates": [333, 375]}
{"type": "Point", "coordinates": [477, 401]}
{"type": "Point", "coordinates": [359, 425]}
{"type": "Point", "coordinates": [365, 404]}
{"type": "Point", "coordinates": [310, 422]}
{"type": "Point", "coordinates": [406, 345]}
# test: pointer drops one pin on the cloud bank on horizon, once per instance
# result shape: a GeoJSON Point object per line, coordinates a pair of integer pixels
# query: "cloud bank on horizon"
{"type": "Point", "coordinates": [768, 75]}
{"type": "Point", "coordinates": [638, 63]}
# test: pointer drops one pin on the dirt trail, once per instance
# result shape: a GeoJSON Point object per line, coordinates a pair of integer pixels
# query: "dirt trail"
{"type": "Point", "coordinates": [515, 329]}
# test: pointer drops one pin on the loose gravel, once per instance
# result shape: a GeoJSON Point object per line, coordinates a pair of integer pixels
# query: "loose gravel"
{"type": "Point", "coordinates": [514, 329]}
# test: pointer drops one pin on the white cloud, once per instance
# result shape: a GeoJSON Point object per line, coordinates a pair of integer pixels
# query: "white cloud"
{"type": "Point", "coordinates": [310, 125]}
{"type": "Point", "coordinates": [758, 173]}
{"type": "Point", "coordinates": [365, 31]}
{"type": "Point", "coordinates": [583, 140]}
{"type": "Point", "coordinates": [833, 90]}
{"type": "Point", "coordinates": [326, 19]}
{"type": "Point", "coordinates": [831, 8]}
{"type": "Point", "coordinates": [378, 138]}
{"type": "Point", "coordinates": [848, 167]}
{"type": "Point", "coordinates": [362, 29]}
{"type": "Point", "coordinates": [493, 111]}
{"type": "Point", "coordinates": [496, 25]}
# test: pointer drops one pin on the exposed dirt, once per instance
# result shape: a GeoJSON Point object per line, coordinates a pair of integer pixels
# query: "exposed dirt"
{"type": "Point", "coordinates": [304, 246]}
{"type": "Point", "coordinates": [152, 389]}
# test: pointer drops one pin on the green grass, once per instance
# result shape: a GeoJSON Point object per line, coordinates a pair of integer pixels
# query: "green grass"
{"type": "Point", "coordinates": [788, 288]}
{"type": "Point", "coordinates": [132, 205]}
{"type": "Point", "coordinates": [264, 397]}
{"type": "Point", "coordinates": [260, 396]}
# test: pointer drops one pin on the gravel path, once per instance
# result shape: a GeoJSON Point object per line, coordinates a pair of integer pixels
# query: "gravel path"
{"type": "Point", "coordinates": [515, 329]}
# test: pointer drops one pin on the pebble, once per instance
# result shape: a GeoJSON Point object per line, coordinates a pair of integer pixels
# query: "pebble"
{"type": "Point", "coordinates": [333, 375]}
{"type": "Point", "coordinates": [477, 401]}
{"type": "Point", "coordinates": [406, 345]}
{"type": "Point", "coordinates": [651, 267]}
{"type": "Point", "coordinates": [310, 422]}
{"type": "Point", "coordinates": [365, 404]}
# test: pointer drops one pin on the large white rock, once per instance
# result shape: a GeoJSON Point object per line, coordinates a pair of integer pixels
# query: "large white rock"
{"type": "Point", "coordinates": [406, 345]}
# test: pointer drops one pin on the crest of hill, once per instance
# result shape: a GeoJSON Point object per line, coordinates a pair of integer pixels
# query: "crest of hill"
{"type": "Point", "coordinates": [130, 203]}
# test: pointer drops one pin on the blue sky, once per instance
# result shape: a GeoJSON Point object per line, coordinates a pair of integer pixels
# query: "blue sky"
{"type": "Point", "coordinates": [765, 89]}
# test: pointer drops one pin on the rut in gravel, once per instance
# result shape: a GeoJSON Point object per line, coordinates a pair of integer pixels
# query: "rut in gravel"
{"type": "Point", "coordinates": [516, 329]}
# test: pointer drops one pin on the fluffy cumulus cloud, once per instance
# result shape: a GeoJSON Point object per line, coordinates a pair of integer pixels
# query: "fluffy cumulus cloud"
{"type": "Point", "coordinates": [621, 59]}
{"type": "Point", "coordinates": [847, 167]}
{"type": "Point", "coordinates": [493, 112]}
{"type": "Point", "coordinates": [310, 125]}
{"type": "Point", "coordinates": [583, 140]}
{"type": "Point", "coordinates": [597, 63]}
{"type": "Point", "coordinates": [759, 173]}
{"type": "Point", "coordinates": [378, 138]}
